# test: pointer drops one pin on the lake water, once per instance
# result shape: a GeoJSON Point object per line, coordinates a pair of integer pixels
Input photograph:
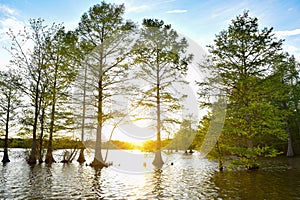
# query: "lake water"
{"type": "Point", "coordinates": [132, 177]}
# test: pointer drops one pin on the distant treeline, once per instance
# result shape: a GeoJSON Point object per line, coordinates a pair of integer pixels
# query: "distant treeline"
{"type": "Point", "coordinates": [67, 143]}
{"type": "Point", "coordinates": [62, 143]}
{"type": "Point", "coordinates": [147, 146]}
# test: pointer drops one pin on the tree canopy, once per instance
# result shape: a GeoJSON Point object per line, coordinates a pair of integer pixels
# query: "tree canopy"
{"type": "Point", "coordinates": [243, 64]}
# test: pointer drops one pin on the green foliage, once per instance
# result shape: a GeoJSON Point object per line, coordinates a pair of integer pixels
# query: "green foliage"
{"type": "Point", "coordinates": [9, 103]}
{"type": "Point", "coordinates": [67, 143]}
{"type": "Point", "coordinates": [161, 60]}
{"type": "Point", "coordinates": [10, 98]}
{"type": "Point", "coordinates": [16, 143]}
{"type": "Point", "coordinates": [184, 138]}
{"type": "Point", "coordinates": [104, 41]}
{"type": "Point", "coordinates": [61, 143]}
{"type": "Point", "coordinates": [201, 131]}
{"type": "Point", "coordinates": [247, 66]}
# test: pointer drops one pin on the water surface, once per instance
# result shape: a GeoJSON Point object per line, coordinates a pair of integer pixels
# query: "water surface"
{"type": "Point", "coordinates": [133, 177]}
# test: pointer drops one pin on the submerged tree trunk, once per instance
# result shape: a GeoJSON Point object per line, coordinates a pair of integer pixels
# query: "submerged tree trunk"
{"type": "Point", "coordinates": [49, 155]}
{"type": "Point", "coordinates": [158, 162]}
{"type": "Point", "coordinates": [32, 157]}
{"type": "Point", "coordinates": [81, 158]}
{"type": "Point", "coordinates": [98, 161]}
{"type": "Point", "coordinates": [5, 155]}
{"type": "Point", "coordinates": [220, 165]}
{"type": "Point", "coordinates": [41, 135]}
{"type": "Point", "coordinates": [69, 155]}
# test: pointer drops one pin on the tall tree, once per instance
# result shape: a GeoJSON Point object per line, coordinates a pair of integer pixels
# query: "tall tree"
{"type": "Point", "coordinates": [82, 96]}
{"type": "Point", "coordinates": [286, 76]}
{"type": "Point", "coordinates": [242, 59]}
{"type": "Point", "coordinates": [32, 63]}
{"type": "Point", "coordinates": [42, 119]}
{"type": "Point", "coordinates": [161, 57]}
{"type": "Point", "coordinates": [9, 103]}
{"type": "Point", "coordinates": [103, 29]}
{"type": "Point", "coordinates": [61, 73]}
{"type": "Point", "coordinates": [81, 157]}
{"type": "Point", "coordinates": [293, 79]}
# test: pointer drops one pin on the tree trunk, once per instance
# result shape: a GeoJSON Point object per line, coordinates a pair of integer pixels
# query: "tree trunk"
{"type": "Point", "coordinates": [297, 114]}
{"type": "Point", "coordinates": [81, 158]}
{"type": "Point", "coordinates": [41, 135]}
{"type": "Point", "coordinates": [290, 151]}
{"type": "Point", "coordinates": [5, 156]}
{"type": "Point", "coordinates": [98, 161]}
{"type": "Point", "coordinates": [49, 155]}
{"type": "Point", "coordinates": [32, 157]}
{"type": "Point", "coordinates": [158, 162]}
{"type": "Point", "coordinates": [220, 165]}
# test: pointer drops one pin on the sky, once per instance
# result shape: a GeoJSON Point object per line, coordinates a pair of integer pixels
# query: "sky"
{"type": "Point", "coordinates": [200, 20]}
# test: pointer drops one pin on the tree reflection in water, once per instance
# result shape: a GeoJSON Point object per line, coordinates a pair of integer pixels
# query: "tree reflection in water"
{"type": "Point", "coordinates": [190, 177]}
{"type": "Point", "coordinates": [96, 188]}
{"type": "Point", "coordinates": [41, 177]}
{"type": "Point", "coordinates": [157, 180]}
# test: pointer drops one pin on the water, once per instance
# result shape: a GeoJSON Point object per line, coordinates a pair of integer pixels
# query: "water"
{"type": "Point", "coordinates": [133, 177]}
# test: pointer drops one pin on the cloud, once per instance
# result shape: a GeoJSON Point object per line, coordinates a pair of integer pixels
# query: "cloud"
{"type": "Point", "coordinates": [287, 33]}
{"type": "Point", "coordinates": [168, 1]}
{"type": "Point", "coordinates": [133, 6]}
{"type": "Point", "coordinates": [72, 25]}
{"type": "Point", "coordinates": [6, 10]}
{"type": "Point", "coordinates": [176, 11]}
{"type": "Point", "coordinates": [9, 20]}
{"type": "Point", "coordinates": [9, 23]}
{"type": "Point", "coordinates": [292, 50]}
{"type": "Point", "coordinates": [140, 8]}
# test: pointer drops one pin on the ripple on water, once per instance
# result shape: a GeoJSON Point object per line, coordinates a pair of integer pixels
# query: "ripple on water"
{"type": "Point", "coordinates": [190, 177]}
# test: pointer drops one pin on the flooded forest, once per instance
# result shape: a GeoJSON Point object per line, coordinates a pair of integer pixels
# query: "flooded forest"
{"type": "Point", "coordinates": [222, 124]}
